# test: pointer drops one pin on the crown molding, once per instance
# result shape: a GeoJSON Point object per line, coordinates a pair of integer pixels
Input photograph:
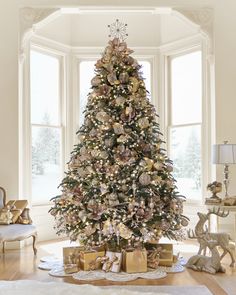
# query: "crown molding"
{"type": "Point", "coordinates": [32, 18]}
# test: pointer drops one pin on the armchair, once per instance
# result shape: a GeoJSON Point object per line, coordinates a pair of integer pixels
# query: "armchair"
{"type": "Point", "coordinates": [15, 232]}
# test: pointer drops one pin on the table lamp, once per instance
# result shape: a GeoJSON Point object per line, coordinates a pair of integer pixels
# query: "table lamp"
{"type": "Point", "coordinates": [225, 154]}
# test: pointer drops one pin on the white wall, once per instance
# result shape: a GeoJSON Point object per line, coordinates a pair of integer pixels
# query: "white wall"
{"type": "Point", "coordinates": [225, 69]}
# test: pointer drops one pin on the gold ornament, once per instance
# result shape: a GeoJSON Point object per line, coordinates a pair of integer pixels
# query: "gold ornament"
{"type": "Point", "coordinates": [135, 84]}
{"type": "Point", "coordinates": [149, 163]}
{"type": "Point", "coordinates": [143, 123]}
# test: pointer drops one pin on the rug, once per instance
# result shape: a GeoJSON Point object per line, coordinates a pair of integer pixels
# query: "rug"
{"type": "Point", "coordinates": [27, 287]}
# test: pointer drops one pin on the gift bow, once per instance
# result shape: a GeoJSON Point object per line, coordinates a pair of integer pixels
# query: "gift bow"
{"type": "Point", "coordinates": [94, 264]}
{"type": "Point", "coordinates": [110, 262]}
{"type": "Point", "coordinates": [153, 257]}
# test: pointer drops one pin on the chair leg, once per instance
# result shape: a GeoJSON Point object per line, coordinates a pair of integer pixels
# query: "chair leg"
{"type": "Point", "coordinates": [3, 247]}
{"type": "Point", "coordinates": [34, 242]}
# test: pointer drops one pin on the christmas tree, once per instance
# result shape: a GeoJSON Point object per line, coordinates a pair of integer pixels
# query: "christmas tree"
{"type": "Point", "coordinates": [119, 187]}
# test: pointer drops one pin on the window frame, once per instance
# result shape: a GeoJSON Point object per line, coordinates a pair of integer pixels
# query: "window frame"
{"type": "Point", "coordinates": [176, 49]}
{"type": "Point", "coordinates": [61, 126]}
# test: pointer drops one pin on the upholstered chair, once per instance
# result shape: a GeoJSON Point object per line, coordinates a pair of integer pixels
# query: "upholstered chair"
{"type": "Point", "coordinates": [16, 231]}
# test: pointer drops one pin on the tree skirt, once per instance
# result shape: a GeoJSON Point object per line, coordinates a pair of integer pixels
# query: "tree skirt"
{"type": "Point", "coordinates": [24, 287]}
{"type": "Point", "coordinates": [56, 269]}
{"type": "Point", "coordinates": [118, 277]}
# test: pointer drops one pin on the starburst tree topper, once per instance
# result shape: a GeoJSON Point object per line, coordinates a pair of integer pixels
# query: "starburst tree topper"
{"type": "Point", "coordinates": [118, 30]}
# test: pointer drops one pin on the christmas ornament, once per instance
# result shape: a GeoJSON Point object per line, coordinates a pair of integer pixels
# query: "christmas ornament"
{"type": "Point", "coordinates": [118, 128]}
{"type": "Point", "coordinates": [143, 123]}
{"type": "Point", "coordinates": [144, 179]}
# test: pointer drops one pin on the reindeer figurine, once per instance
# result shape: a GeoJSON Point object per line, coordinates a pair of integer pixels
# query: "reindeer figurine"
{"type": "Point", "coordinates": [204, 263]}
{"type": "Point", "coordinates": [221, 238]}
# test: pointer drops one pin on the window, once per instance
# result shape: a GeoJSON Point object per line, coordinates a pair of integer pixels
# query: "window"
{"type": "Point", "coordinates": [86, 73]}
{"type": "Point", "coordinates": [185, 122]}
{"type": "Point", "coordinates": [46, 125]}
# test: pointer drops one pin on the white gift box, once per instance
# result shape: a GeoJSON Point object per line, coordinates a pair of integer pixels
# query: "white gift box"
{"type": "Point", "coordinates": [113, 263]}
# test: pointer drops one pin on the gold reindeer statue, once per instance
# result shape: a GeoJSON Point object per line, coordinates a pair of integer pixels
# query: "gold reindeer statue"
{"type": "Point", "coordinates": [222, 239]}
{"type": "Point", "coordinates": [205, 263]}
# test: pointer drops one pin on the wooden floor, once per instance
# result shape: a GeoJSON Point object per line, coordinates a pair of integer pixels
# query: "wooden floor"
{"type": "Point", "coordinates": [21, 264]}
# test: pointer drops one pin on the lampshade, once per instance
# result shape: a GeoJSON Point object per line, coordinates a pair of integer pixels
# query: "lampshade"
{"type": "Point", "coordinates": [224, 154]}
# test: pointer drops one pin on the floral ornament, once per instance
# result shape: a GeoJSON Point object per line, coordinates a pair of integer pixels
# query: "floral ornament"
{"type": "Point", "coordinates": [93, 132]}
{"type": "Point", "coordinates": [89, 230]}
{"type": "Point", "coordinates": [144, 179]}
{"type": "Point", "coordinates": [158, 166]}
{"type": "Point", "coordinates": [124, 231]}
{"type": "Point", "coordinates": [103, 117]}
{"type": "Point", "coordinates": [113, 200]}
{"type": "Point", "coordinates": [103, 90]}
{"type": "Point", "coordinates": [118, 128]}
{"type": "Point", "coordinates": [82, 215]}
{"type": "Point", "coordinates": [112, 79]}
{"type": "Point", "coordinates": [96, 210]}
{"type": "Point", "coordinates": [143, 123]}
{"type": "Point", "coordinates": [109, 142]}
{"type": "Point", "coordinates": [128, 114]}
{"type": "Point", "coordinates": [119, 101]}
{"type": "Point", "coordinates": [96, 81]}
{"type": "Point", "coordinates": [123, 154]}
{"type": "Point", "coordinates": [103, 189]}
{"type": "Point", "coordinates": [123, 138]}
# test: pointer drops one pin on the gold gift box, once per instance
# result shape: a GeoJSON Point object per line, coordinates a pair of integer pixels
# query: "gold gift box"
{"type": "Point", "coordinates": [166, 257]}
{"type": "Point", "coordinates": [71, 259]}
{"type": "Point", "coordinates": [89, 258]}
{"type": "Point", "coordinates": [134, 261]}
{"type": "Point", "coordinates": [166, 254]}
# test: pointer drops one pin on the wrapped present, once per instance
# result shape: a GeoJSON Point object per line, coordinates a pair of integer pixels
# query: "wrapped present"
{"type": "Point", "coordinates": [166, 254]}
{"type": "Point", "coordinates": [16, 208]}
{"type": "Point", "coordinates": [92, 259]}
{"type": "Point", "coordinates": [112, 261]}
{"type": "Point", "coordinates": [71, 259]}
{"type": "Point", "coordinates": [163, 253]}
{"type": "Point", "coordinates": [134, 260]}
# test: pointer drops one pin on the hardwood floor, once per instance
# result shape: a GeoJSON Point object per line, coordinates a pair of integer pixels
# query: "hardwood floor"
{"type": "Point", "coordinates": [22, 264]}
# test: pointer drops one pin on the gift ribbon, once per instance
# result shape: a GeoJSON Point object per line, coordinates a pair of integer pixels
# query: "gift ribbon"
{"type": "Point", "coordinates": [153, 257]}
{"type": "Point", "coordinates": [113, 261]}
{"type": "Point", "coordinates": [94, 264]}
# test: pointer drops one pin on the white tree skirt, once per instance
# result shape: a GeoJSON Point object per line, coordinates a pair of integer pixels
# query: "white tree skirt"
{"type": "Point", "coordinates": [56, 269]}
{"type": "Point", "coordinates": [117, 277]}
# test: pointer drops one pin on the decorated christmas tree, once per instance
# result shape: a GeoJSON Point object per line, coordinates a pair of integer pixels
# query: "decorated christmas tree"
{"type": "Point", "coordinates": [119, 189]}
